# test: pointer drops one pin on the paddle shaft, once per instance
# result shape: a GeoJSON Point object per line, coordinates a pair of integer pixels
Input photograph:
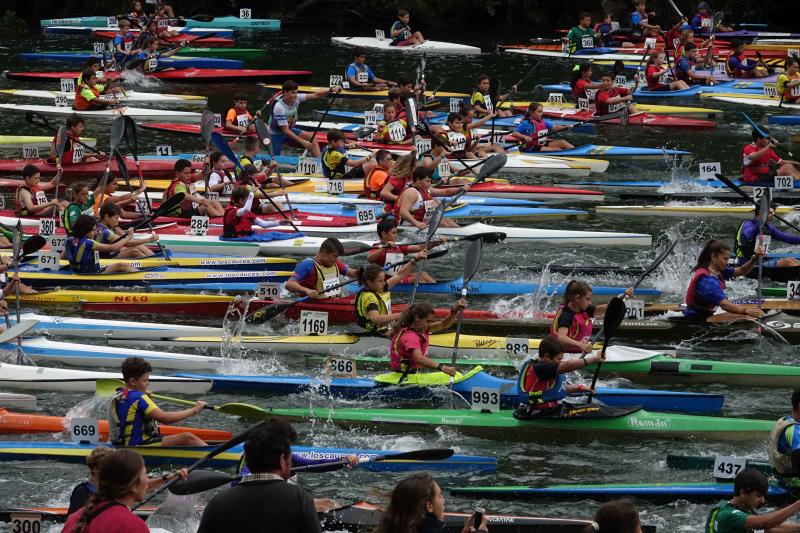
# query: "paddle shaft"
{"type": "Point", "coordinates": [46, 124]}
{"type": "Point", "coordinates": [764, 133]}
{"type": "Point", "coordinates": [735, 188]}
{"type": "Point", "coordinates": [161, 248]}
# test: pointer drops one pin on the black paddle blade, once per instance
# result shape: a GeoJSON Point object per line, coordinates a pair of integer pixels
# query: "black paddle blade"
{"type": "Point", "coordinates": [411, 112]}
{"type": "Point", "coordinates": [495, 86]}
{"type": "Point", "coordinates": [61, 145]}
{"type": "Point", "coordinates": [117, 132]}
{"type": "Point", "coordinates": [437, 253]}
{"type": "Point", "coordinates": [492, 165]}
{"type": "Point", "coordinates": [492, 237]}
{"type": "Point", "coordinates": [267, 313]}
{"type": "Point", "coordinates": [37, 120]}
{"type": "Point", "coordinates": [123, 167]}
{"type": "Point", "coordinates": [355, 248]}
{"type": "Point", "coordinates": [432, 106]}
{"type": "Point", "coordinates": [658, 260]}
{"type": "Point", "coordinates": [262, 131]}
{"type": "Point", "coordinates": [362, 132]}
{"type": "Point", "coordinates": [165, 207]}
{"type": "Point", "coordinates": [615, 312]}
{"type": "Point", "coordinates": [207, 125]}
{"type": "Point", "coordinates": [200, 481]}
{"type": "Point", "coordinates": [131, 136]}
{"type": "Point", "coordinates": [434, 454]}
{"type": "Point", "coordinates": [763, 211]}
{"type": "Point", "coordinates": [473, 260]}
{"type": "Point", "coordinates": [33, 244]}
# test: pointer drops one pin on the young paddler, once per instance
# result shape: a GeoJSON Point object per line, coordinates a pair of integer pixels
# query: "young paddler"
{"type": "Point", "coordinates": [82, 249]}
{"type": "Point", "coordinates": [392, 129]}
{"type": "Point", "coordinates": [73, 151]}
{"type": "Point", "coordinates": [238, 119]}
{"type": "Point", "coordinates": [314, 275]}
{"type": "Point", "coordinates": [182, 182]}
{"type": "Point", "coordinates": [659, 76]}
{"type": "Point", "coordinates": [572, 324]}
{"type": "Point", "coordinates": [263, 177]}
{"type": "Point", "coordinates": [374, 301]}
{"type": "Point", "coordinates": [685, 68]}
{"type": "Point", "coordinates": [740, 66]}
{"type": "Point", "coordinates": [398, 180]}
{"type": "Point", "coordinates": [283, 117]}
{"type": "Point", "coordinates": [760, 163]}
{"type": "Point", "coordinates": [108, 232]}
{"type": "Point", "coordinates": [219, 179]}
{"type": "Point", "coordinates": [375, 178]}
{"type": "Point", "coordinates": [788, 82]}
{"type": "Point", "coordinates": [747, 239]}
{"type": "Point", "coordinates": [239, 219]}
{"type": "Point", "coordinates": [361, 77]}
{"type": "Point", "coordinates": [784, 445]}
{"type": "Point", "coordinates": [581, 81]}
{"type": "Point", "coordinates": [30, 198]}
{"type": "Point", "coordinates": [738, 515]}
{"type": "Point", "coordinates": [462, 143]}
{"type": "Point", "coordinates": [87, 94]}
{"type": "Point", "coordinates": [408, 350]}
{"type": "Point", "coordinates": [134, 416]}
{"type": "Point", "coordinates": [391, 252]}
{"type": "Point", "coordinates": [335, 161]}
{"type": "Point", "coordinates": [533, 130]}
{"type": "Point", "coordinates": [416, 204]}
{"type": "Point", "coordinates": [150, 55]}
{"type": "Point", "coordinates": [640, 21]}
{"type": "Point", "coordinates": [124, 42]}
{"type": "Point", "coordinates": [609, 98]}
{"type": "Point", "coordinates": [706, 289]}
{"type": "Point", "coordinates": [581, 37]}
{"type": "Point", "coordinates": [481, 100]}
{"type": "Point", "coordinates": [542, 383]}
{"type": "Point", "coordinates": [401, 33]}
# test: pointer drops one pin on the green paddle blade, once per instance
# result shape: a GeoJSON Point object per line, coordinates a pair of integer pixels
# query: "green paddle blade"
{"type": "Point", "coordinates": [107, 387]}
{"type": "Point", "coordinates": [200, 481]}
{"type": "Point", "coordinates": [244, 410]}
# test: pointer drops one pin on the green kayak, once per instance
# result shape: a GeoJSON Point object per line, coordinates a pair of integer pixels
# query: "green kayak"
{"type": "Point", "coordinates": [586, 420]}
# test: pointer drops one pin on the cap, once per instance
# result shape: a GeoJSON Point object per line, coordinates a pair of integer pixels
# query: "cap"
{"type": "Point", "coordinates": [703, 5]}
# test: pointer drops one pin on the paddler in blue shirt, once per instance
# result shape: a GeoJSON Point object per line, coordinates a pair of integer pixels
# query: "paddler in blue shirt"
{"type": "Point", "coordinates": [150, 55]}
{"type": "Point", "coordinates": [706, 289]}
{"type": "Point", "coordinates": [747, 237]}
{"type": "Point", "coordinates": [401, 33]}
{"type": "Point", "coordinates": [542, 383]}
{"type": "Point", "coordinates": [640, 21]}
{"type": "Point", "coordinates": [124, 43]}
{"type": "Point", "coordinates": [685, 67]}
{"type": "Point", "coordinates": [361, 77]}
{"type": "Point", "coordinates": [314, 275]}
{"type": "Point", "coordinates": [133, 416]}
{"type": "Point", "coordinates": [784, 445]}
{"type": "Point", "coordinates": [83, 251]}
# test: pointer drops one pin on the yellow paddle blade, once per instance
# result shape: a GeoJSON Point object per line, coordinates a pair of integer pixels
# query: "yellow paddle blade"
{"type": "Point", "coordinates": [107, 387]}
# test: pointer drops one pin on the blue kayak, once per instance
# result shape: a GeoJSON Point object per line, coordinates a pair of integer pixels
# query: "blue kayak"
{"type": "Point", "coordinates": [71, 452]}
{"type": "Point", "coordinates": [224, 22]}
{"type": "Point", "coordinates": [358, 388]}
{"type": "Point", "coordinates": [731, 86]}
{"type": "Point", "coordinates": [187, 278]}
{"type": "Point", "coordinates": [224, 33]}
{"type": "Point", "coordinates": [702, 492]}
{"type": "Point", "coordinates": [465, 211]}
{"type": "Point", "coordinates": [80, 58]}
{"type": "Point", "coordinates": [789, 120]}
{"type": "Point", "coordinates": [509, 288]}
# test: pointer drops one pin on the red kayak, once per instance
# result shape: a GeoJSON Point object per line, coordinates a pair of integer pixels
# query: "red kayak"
{"type": "Point", "coordinates": [187, 75]}
{"type": "Point", "coordinates": [187, 129]}
{"type": "Point", "coordinates": [719, 51]}
{"type": "Point", "coordinates": [534, 192]}
{"type": "Point", "coordinates": [211, 42]}
{"type": "Point", "coordinates": [638, 119]}
{"type": "Point", "coordinates": [151, 168]}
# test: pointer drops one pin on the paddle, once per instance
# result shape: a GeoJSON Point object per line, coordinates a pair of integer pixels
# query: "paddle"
{"type": "Point", "coordinates": [132, 142]}
{"type": "Point", "coordinates": [117, 132]}
{"type": "Point", "coordinates": [263, 136]}
{"type": "Point", "coordinates": [203, 480]}
{"type": "Point", "coordinates": [271, 311]}
{"type": "Point", "coordinates": [166, 206]}
{"type": "Point", "coordinates": [61, 145]}
{"type": "Point", "coordinates": [639, 68]}
{"type": "Point", "coordinates": [206, 129]}
{"type": "Point", "coordinates": [331, 99]}
{"type": "Point", "coordinates": [433, 225]}
{"type": "Point", "coordinates": [763, 215]}
{"type": "Point", "coordinates": [678, 11]}
{"type": "Point", "coordinates": [17, 246]}
{"type": "Point", "coordinates": [471, 263]}
{"type": "Point", "coordinates": [40, 120]}
{"type": "Point", "coordinates": [238, 439]}
{"type": "Point", "coordinates": [222, 146]}
{"type": "Point", "coordinates": [765, 134]}
{"type": "Point", "coordinates": [108, 387]}
{"type": "Point", "coordinates": [735, 188]}
{"type": "Point", "coordinates": [255, 116]}
{"type": "Point", "coordinates": [615, 312]}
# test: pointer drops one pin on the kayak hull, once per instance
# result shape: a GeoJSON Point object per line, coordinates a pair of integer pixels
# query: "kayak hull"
{"type": "Point", "coordinates": [428, 47]}
{"type": "Point", "coordinates": [136, 113]}
{"type": "Point", "coordinates": [79, 58]}
{"type": "Point", "coordinates": [185, 75]}
{"type": "Point", "coordinates": [136, 97]}
{"type": "Point", "coordinates": [225, 22]}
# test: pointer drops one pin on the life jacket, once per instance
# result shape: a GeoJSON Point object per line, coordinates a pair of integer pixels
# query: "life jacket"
{"type": "Point", "coordinates": [69, 156]}
{"type": "Point", "coordinates": [579, 330]}
{"type": "Point", "coordinates": [734, 72]}
{"type": "Point", "coordinates": [105, 235]}
{"type": "Point", "coordinates": [81, 103]}
{"type": "Point", "coordinates": [602, 108]}
{"type": "Point", "coordinates": [176, 211]}
{"type": "Point", "coordinates": [400, 184]}
{"type": "Point", "coordinates": [242, 120]}
{"type": "Point", "coordinates": [756, 168]}
{"type": "Point", "coordinates": [742, 248]}
{"type": "Point", "coordinates": [706, 22]}
{"type": "Point", "coordinates": [399, 363]}
{"type": "Point", "coordinates": [72, 212]}
{"type": "Point", "coordinates": [537, 142]}
{"type": "Point", "coordinates": [420, 210]}
{"type": "Point", "coordinates": [540, 394]}
{"type": "Point", "coordinates": [37, 198]}
{"type": "Point", "coordinates": [681, 74]}
{"type": "Point", "coordinates": [326, 277]}
{"type": "Point", "coordinates": [332, 169]}
{"type": "Point", "coordinates": [360, 69]}
{"type": "Point", "coordinates": [368, 192]}
{"type": "Point", "coordinates": [384, 300]}
{"type": "Point", "coordinates": [127, 45]}
{"type": "Point", "coordinates": [82, 257]}
{"type": "Point", "coordinates": [400, 129]}
{"type": "Point", "coordinates": [244, 160]}
{"type": "Point", "coordinates": [691, 296]}
{"type": "Point", "coordinates": [118, 425]}
{"type": "Point", "coordinates": [652, 83]}
{"type": "Point", "coordinates": [235, 226]}
{"type": "Point", "coordinates": [781, 462]}
{"type": "Point", "coordinates": [459, 143]}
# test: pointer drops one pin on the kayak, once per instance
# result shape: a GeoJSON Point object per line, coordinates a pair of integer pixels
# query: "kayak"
{"type": "Point", "coordinates": [635, 119]}
{"type": "Point", "coordinates": [559, 54]}
{"type": "Point", "coordinates": [24, 377]}
{"type": "Point", "coordinates": [505, 288]}
{"type": "Point", "coordinates": [26, 424]}
{"type": "Point", "coordinates": [456, 211]}
{"type": "Point", "coordinates": [743, 87]}
{"type": "Point", "coordinates": [789, 120]}
{"type": "Point", "coordinates": [206, 263]}
{"type": "Point", "coordinates": [137, 113]}
{"type": "Point", "coordinates": [685, 211]}
{"type": "Point", "coordinates": [179, 75]}
{"type": "Point", "coordinates": [177, 61]}
{"type": "Point", "coordinates": [100, 31]}
{"type": "Point", "coordinates": [700, 462]}
{"type": "Point", "coordinates": [156, 455]}
{"type": "Point", "coordinates": [591, 421]}
{"type": "Point", "coordinates": [225, 22]}
{"type": "Point", "coordinates": [247, 53]}
{"type": "Point", "coordinates": [779, 274]}
{"type": "Point", "coordinates": [167, 276]}
{"type": "Point", "coordinates": [365, 95]}
{"type": "Point", "coordinates": [428, 47]}
{"type": "Point", "coordinates": [150, 168]}
{"type": "Point", "coordinates": [374, 388]}
{"type": "Point", "coordinates": [128, 97]}
{"type": "Point", "coordinates": [673, 110]}
{"type": "Point", "coordinates": [176, 39]}
{"type": "Point", "coordinates": [644, 367]}
{"type": "Point", "coordinates": [20, 401]}
{"type": "Point", "coordinates": [752, 99]}
{"type": "Point", "coordinates": [693, 492]}
{"type": "Point", "coordinates": [781, 197]}
{"type": "Point", "coordinates": [95, 328]}
{"type": "Point", "coordinates": [40, 349]}
{"type": "Point", "coordinates": [691, 184]}
{"type": "Point", "coordinates": [18, 141]}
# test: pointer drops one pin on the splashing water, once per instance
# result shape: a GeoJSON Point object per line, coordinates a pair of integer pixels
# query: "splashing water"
{"type": "Point", "coordinates": [139, 79]}
{"type": "Point", "coordinates": [233, 352]}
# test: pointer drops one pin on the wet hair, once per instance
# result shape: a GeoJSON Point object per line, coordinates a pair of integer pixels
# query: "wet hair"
{"type": "Point", "coordinates": [750, 479]}
{"type": "Point", "coordinates": [267, 444]}
{"type": "Point", "coordinates": [96, 457]}
{"type": "Point", "coordinates": [239, 193]}
{"type": "Point", "coordinates": [83, 225]}
{"type": "Point", "coordinates": [713, 246]}
{"type": "Point", "coordinates": [550, 346]}
{"type": "Point", "coordinates": [420, 173]}
{"type": "Point", "coordinates": [790, 61]}
{"type": "Point", "coordinates": [289, 85]}
{"type": "Point", "coordinates": [215, 156]}
{"type": "Point", "coordinates": [688, 47]}
{"type": "Point", "coordinates": [240, 96]}
{"type": "Point", "coordinates": [369, 273]}
{"type": "Point", "coordinates": [795, 398]}
{"type": "Point", "coordinates": [385, 225]}
{"type": "Point", "coordinates": [119, 474]}
{"type": "Point", "coordinates": [452, 117]}
{"type": "Point", "coordinates": [583, 14]}
{"type": "Point", "coordinates": [408, 505]}
{"type": "Point", "coordinates": [382, 154]}
{"type": "Point", "coordinates": [578, 73]}
{"type": "Point", "coordinates": [73, 120]}
{"type": "Point", "coordinates": [335, 136]}
{"type": "Point", "coordinates": [531, 108]}
{"type": "Point", "coordinates": [109, 209]}
{"type": "Point", "coordinates": [358, 52]}
{"type": "Point", "coordinates": [181, 164]}
{"type": "Point", "coordinates": [134, 368]}
{"type": "Point", "coordinates": [29, 170]}
{"type": "Point", "coordinates": [619, 516]}
{"type": "Point", "coordinates": [575, 289]}
{"type": "Point", "coordinates": [414, 312]}
{"type": "Point", "coordinates": [331, 245]}
{"type": "Point", "coordinates": [404, 165]}
{"type": "Point", "coordinates": [251, 143]}
{"type": "Point", "coordinates": [87, 74]}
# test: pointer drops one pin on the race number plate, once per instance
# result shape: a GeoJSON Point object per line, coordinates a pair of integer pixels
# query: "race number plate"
{"type": "Point", "coordinates": [517, 347]}
{"type": "Point", "coordinates": [314, 322]}
{"type": "Point", "coordinates": [48, 261]}
{"type": "Point", "coordinates": [485, 400]}
{"type": "Point", "coordinates": [727, 467]}
{"type": "Point", "coordinates": [710, 170]}
{"type": "Point", "coordinates": [340, 367]}
{"type": "Point", "coordinates": [266, 290]}
{"type": "Point", "coordinates": [84, 430]}
{"type": "Point", "coordinates": [634, 309]}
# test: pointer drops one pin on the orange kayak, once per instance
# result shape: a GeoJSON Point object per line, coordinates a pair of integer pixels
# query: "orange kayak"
{"type": "Point", "coordinates": [19, 423]}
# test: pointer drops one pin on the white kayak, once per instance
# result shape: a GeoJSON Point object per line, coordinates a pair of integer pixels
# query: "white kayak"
{"type": "Point", "coordinates": [20, 377]}
{"type": "Point", "coordinates": [39, 141]}
{"type": "Point", "coordinates": [19, 401]}
{"type": "Point", "coordinates": [97, 328]}
{"type": "Point", "coordinates": [428, 47]}
{"type": "Point", "coordinates": [575, 57]}
{"type": "Point", "coordinates": [296, 247]}
{"type": "Point", "coordinates": [128, 97]}
{"type": "Point", "coordinates": [751, 99]}
{"type": "Point", "coordinates": [685, 211]}
{"type": "Point", "coordinates": [137, 113]}
{"type": "Point", "coordinates": [39, 349]}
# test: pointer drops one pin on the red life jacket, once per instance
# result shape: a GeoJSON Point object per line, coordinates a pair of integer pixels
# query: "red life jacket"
{"type": "Point", "coordinates": [399, 184]}
{"type": "Point", "coordinates": [757, 167]}
{"type": "Point", "coordinates": [69, 154]}
{"type": "Point", "coordinates": [236, 226]}
{"type": "Point", "coordinates": [418, 211]}
{"type": "Point", "coordinates": [19, 208]}
{"type": "Point", "coordinates": [399, 359]}
{"type": "Point", "coordinates": [579, 330]}
{"type": "Point", "coordinates": [691, 295]}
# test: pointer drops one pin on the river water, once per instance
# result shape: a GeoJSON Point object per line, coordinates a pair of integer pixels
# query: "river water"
{"type": "Point", "coordinates": [542, 461]}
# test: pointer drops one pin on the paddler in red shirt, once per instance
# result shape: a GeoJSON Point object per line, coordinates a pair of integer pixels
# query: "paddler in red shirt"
{"type": "Point", "coordinates": [572, 324]}
{"type": "Point", "coordinates": [30, 198]}
{"type": "Point", "coordinates": [394, 253]}
{"type": "Point", "coordinates": [610, 99]}
{"type": "Point", "coordinates": [760, 163]}
{"type": "Point", "coordinates": [398, 180]}
{"type": "Point", "coordinates": [659, 77]}
{"type": "Point", "coordinates": [582, 80]}
{"type": "Point", "coordinates": [73, 151]}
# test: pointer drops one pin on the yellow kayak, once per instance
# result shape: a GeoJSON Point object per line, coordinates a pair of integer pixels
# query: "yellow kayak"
{"type": "Point", "coordinates": [372, 95]}
{"type": "Point", "coordinates": [41, 142]}
{"type": "Point", "coordinates": [226, 263]}
{"type": "Point", "coordinates": [678, 111]}
{"type": "Point", "coordinates": [66, 296]}
{"type": "Point", "coordinates": [198, 278]}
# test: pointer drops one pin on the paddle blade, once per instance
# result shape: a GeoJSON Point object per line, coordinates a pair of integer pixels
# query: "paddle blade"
{"type": "Point", "coordinates": [492, 237]}
{"type": "Point", "coordinates": [473, 260]}
{"type": "Point", "coordinates": [17, 240]}
{"type": "Point", "coordinates": [434, 454]}
{"type": "Point", "coordinates": [362, 132]}
{"type": "Point", "coordinates": [107, 387]}
{"type": "Point", "coordinates": [492, 165]}
{"type": "Point", "coordinates": [411, 112]}
{"type": "Point", "coordinates": [117, 132]}
{"type": "Point", "coordinates": [266, 314]}
{"type": "Point", "coordinates": [207, 125]}
{"type": "Point", "coordinates": [165, 207]}
{"type": "Point", "coordinates": [615, 312]}
{"type": "Point", "coordinates": [262, 131]}
{"type": "Point", "coordinates": [624, 118]}
{"type": "Point", "coordinates": [37, 120]}
{"type": "Point", "coordinates": [435, 220]}
{"type": "Point", "coordinates": [131, 136]}
{"type": "Point", "coordinates": [33, 244]}
{"type": "Point", "coordinates": [181, 23]}
{"type": "Point", "coordinates": [495, 86]}
{"type": "Point", "coordinates": [432, 106]}
{"type": "Point", "coordinates": [123, 167]}
{"type": "Point", "coordinates": [658, 260]}
{"type": "Point", "coordinates": [202, 18]}
{"type": "Point", "coordinates": [355, 248]}
{"type": "Point", "coordinates": [200, 481]}
{"type": "Point", "coordinates": [244, 410]}
{"type": "Point", "coordinates": [222, 145]}
{"type": "Point", "coordinates": [61, 137]}
{"type": "Point", "coordinates": [763, 211]}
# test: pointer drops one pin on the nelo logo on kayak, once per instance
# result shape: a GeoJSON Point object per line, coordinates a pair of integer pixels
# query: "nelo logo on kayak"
{"type": "Point", "coordinates": [649, 423]}
{"type": "Point", "coordinates": [131, 298]}
{"type": "Point", "coordinates": [777, 324]}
